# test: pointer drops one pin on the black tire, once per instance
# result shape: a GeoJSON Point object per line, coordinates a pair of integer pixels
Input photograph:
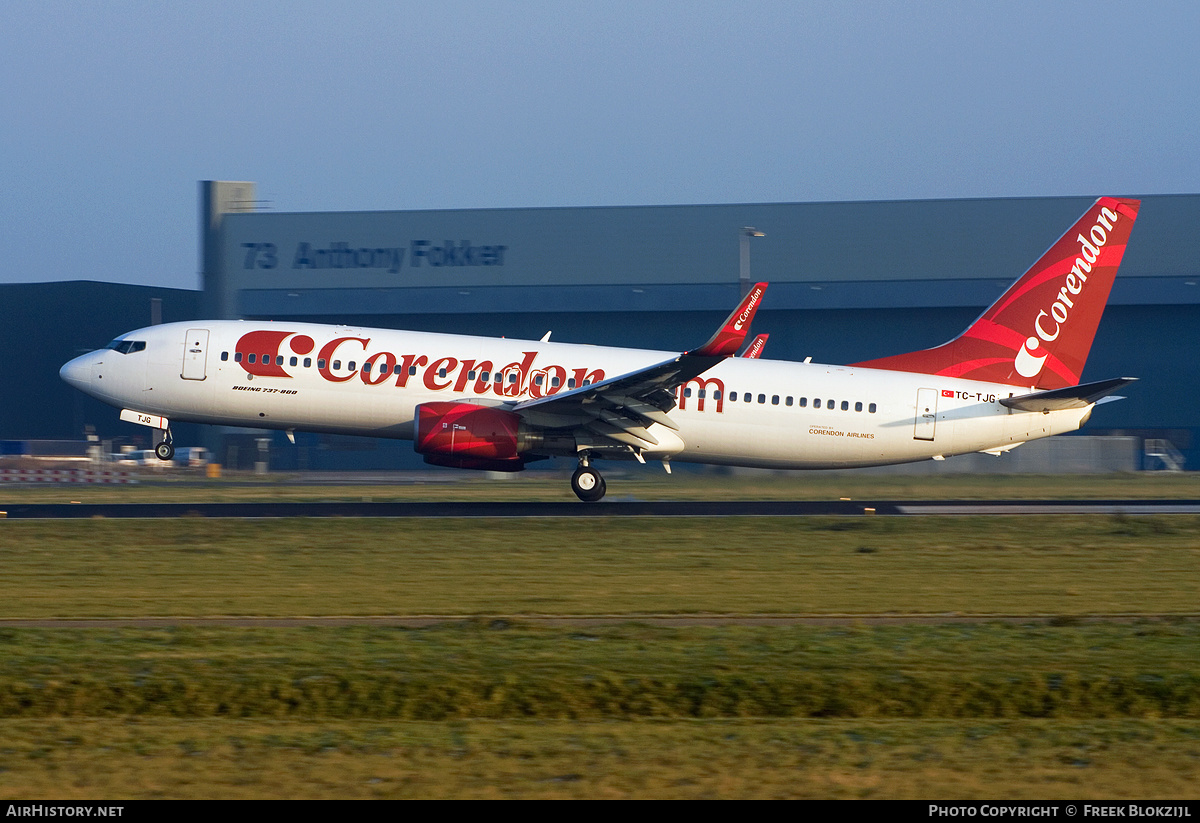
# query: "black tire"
{"type": "Point", "coordinates": [164, 451]}
{"type": "Point", "coordinates": [588, 484]}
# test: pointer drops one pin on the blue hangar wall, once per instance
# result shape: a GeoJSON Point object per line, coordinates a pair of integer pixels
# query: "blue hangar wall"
{"type": "Point", "coordinates": [849, 281]}
{"type": "Point", "coordinates": [43, 325]}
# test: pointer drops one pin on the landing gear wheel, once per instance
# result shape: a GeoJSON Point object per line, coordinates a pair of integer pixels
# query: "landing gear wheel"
{"type": "Point", "coordinates": [164, 451]}
{"type": "Point", "coordinates": [587, 484]}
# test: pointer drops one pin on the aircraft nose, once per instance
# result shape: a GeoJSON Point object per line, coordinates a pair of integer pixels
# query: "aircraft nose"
{"type": "Point", "coordinates": [76, 372]}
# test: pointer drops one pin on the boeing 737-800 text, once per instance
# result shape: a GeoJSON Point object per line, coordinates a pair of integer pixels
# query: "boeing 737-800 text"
{"type": "Point", "coordinates": [482, 403]}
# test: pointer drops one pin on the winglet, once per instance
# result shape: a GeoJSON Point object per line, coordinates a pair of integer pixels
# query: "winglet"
{"type": "Point", "coordinates": [733, 332]}
{"type": "Point", "coordinates": [755, 349]}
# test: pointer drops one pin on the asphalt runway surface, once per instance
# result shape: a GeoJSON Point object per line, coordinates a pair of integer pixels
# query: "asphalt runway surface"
{"type": "Point", "coordinates": [615, 508]}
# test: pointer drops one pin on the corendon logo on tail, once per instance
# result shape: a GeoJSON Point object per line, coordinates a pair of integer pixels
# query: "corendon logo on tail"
{"type": "Point", "coordinates": [259, 353]}
{"type": "Point", "coordinates": [1048, 325]}
{"type": "Point", "coordinates": [749, 310]}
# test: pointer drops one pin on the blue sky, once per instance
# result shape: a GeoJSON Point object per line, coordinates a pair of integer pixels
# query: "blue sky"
{"type": "Point", "coordinates": [112, 111]}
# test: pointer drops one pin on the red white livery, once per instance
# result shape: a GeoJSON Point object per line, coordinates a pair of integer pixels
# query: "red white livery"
{"type": "Point", "coordinates": [482, 403]}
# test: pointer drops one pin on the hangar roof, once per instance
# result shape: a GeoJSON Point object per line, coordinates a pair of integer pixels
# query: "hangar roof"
{"type": "Point", "coordinates": [919, 253]}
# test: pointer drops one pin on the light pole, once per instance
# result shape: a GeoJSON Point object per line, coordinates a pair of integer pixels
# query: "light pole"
{"type": "Point", "coordinates": [744, 272]}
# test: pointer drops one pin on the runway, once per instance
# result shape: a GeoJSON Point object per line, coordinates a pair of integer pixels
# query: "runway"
{"type": "Point", "coordinates": [615, 508]}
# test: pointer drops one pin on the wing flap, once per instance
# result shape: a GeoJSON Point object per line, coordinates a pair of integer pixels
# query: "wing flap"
{"type": "Point", "coordinates": [648, 413]}
{"type": "Point", "coordinates": [620, 434]}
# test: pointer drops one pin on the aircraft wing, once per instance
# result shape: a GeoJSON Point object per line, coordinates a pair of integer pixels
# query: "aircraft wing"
{"type": "Point", "coordinates": [620, 409]}
{"type": "Point", "coordinates": [1072, 397]}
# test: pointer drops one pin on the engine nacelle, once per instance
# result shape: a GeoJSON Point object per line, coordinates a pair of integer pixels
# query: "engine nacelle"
{"type": "Point", "coordinates": [468, 436]}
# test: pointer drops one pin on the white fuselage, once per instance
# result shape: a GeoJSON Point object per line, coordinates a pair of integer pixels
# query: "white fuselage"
{"type": "Point", "coordinates": [764, 413]}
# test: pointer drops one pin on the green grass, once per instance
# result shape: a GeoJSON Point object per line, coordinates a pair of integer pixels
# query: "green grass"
{"type": "Point", "coordinates": [490, 707]}
{"type": "Point", "coordinates": [1053, 565]}
{"type": "Point", "coordinates": [848, 759]}
{"type": "Point", "coordinates": [498, 670]}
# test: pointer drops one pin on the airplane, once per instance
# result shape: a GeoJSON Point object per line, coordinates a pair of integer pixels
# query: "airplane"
{"type": "Point", "coordinates": [499, 404]}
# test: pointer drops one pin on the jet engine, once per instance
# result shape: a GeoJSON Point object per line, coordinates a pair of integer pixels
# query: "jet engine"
{"type": "Point", "coordinates": [468, 436]}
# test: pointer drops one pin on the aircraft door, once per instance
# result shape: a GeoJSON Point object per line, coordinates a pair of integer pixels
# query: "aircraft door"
{"type": "Point", "coordinates": [195, 354]}
{"type": "Point", "coordinates": [926, 417]}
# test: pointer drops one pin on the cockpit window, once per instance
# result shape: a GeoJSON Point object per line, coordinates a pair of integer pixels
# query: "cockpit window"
{"type": "Point", "coordinates": [127, 346]}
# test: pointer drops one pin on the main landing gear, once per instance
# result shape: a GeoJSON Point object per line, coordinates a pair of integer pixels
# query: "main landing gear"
{"type": "Point", "coordinates": [165, 449]}
{"type": "Point", "coordinates": [587, 483]}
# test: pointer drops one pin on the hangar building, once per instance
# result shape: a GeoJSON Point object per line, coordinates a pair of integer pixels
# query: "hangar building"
{"type": "Point", "coordinates": [849, 280]}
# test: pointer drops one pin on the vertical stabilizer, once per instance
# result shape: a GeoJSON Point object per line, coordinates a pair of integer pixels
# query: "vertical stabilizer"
{"type": "Point", "coordinates": [1040, 331]}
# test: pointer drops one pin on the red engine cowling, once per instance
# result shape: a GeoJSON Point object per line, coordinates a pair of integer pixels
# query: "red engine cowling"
{"type": "Point", "coordinates": [467, 436]}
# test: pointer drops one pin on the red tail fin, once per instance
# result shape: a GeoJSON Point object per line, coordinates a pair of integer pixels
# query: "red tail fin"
{"type": "Point", "coordinates": [1040, 331]}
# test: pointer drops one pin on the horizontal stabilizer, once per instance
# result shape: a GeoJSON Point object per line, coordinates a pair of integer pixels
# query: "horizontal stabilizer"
{"type": "Point", "coordinates": [1072, 397]}
{"type": "Point", "coordinates": [999, 450]}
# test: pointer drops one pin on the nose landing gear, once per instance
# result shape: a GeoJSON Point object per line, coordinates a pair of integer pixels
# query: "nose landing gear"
{"type": "Point", "coordinates": [587, 483]}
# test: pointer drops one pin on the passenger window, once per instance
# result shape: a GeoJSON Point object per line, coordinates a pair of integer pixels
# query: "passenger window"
{"type": "Point", "coordinates": [816, 402]}
{"type": "Point", "coordinates": [471, 374]}
{"type": "Point", "coordinates": [570, 382]}
{"type": "Point", "coordinates": [350, 366]}
{"type": "Point", "coordinates": [237, 357]}
{"type": "Point", "coordinates": [555, 382]}
{"type": "Point", "coordinates": [788, 401]}
{"type": "Point", "coordinates": [733, 397]}
{"type": "Point", "coordinates": [224, 356]}
{"type": "Point", "coordinates": [337, 364]}
{"type": "Point", "coordinates": [700, 394]}
{"type": "Point", "coordinates": [774, 400]}
{"type": "Point", "coordinates": [321, 363]}
{"type": "Point", "coordinates": [366, 368]}
{"type": "Point", "coordinates": [716, 394]}
{"type": "Point", "coordinates": [803, 402]}
{"type": "Point", "coordinates": [762, 398]}
{"type": "Point", "coordinates": [250, 358]}
{"type": "Point", "coordinates": [308, 362]}
{"type": "Point", "coordinates": [441, 372]}
{"type": "Point", "coordinates": [293, 361]}
{"type": "Point", "coordinates": [871, 408]}
{"type": "Point", "coordinates": [687, 392]}
{"type": "Point", "coordinates": [279, 360]}
{"type": "Point", "coordinates": [412, 370]}
{"type": "Point", "coordinates": [487, 377]}
{"type": "Point", "coordinates": [845, 405]}
{"type": "Point", "coordinates": [512, 378]}
{"type": "Point", "coordinates": [858, 407]}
